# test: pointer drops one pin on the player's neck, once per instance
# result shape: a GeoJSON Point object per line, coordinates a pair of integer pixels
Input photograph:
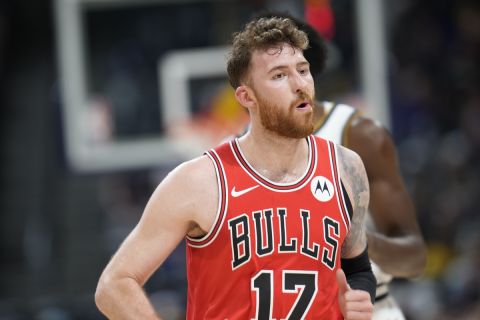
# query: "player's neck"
{"type": "Point", "coordinates": [277, 158]}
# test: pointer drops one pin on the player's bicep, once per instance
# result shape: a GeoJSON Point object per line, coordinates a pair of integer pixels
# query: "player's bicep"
{"type": "Point", "coordinates": [167, 218]}
{"type": "Point", "coordinates": [392, 211]}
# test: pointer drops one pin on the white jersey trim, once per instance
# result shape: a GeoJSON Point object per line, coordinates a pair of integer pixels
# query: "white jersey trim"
{"type": "Point", "coordinates": [221, 213]}
{"type": "Point", "coordinates": [312, 147]}
{"type": "Point", "coordinates": [337, 118]}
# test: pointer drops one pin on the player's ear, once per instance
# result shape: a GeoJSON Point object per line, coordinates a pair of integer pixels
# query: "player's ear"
{"type": "Point", "coordinates": [245, 96]}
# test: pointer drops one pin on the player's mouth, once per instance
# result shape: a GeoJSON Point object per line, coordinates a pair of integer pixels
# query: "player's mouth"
{"type": "Point", "coordinates": [303, 106]}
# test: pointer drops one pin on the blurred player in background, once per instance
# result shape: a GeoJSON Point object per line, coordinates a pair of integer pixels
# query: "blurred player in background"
{"type": "Point", "coordinates": [395, 243]}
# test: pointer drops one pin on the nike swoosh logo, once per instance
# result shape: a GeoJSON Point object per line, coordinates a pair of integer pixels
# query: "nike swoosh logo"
{"type": "Point", "coordinates": [236, 193]}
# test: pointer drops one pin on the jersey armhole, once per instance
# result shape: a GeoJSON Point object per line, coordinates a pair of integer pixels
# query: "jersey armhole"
{"type": "Point", "coordinates": [203, 241]}
{"type": "Point", "coordinates": [348, 203]}
{"type": "Point", "coordinates": [342, 203]}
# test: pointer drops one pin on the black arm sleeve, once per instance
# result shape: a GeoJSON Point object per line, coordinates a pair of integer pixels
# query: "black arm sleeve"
{"type": "Point", "coordinates": [359, 274]}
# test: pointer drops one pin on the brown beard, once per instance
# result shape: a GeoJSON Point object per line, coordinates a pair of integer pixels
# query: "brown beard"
{"type": "Point", "coordinates": [286, 124]}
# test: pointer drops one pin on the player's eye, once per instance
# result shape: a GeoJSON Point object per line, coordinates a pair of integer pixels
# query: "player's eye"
{"type": "Point", "coordinates": [303, 71]}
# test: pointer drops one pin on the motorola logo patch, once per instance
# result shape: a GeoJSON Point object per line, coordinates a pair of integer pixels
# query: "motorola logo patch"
{"type": "Point", "coordinates": [322, 189]}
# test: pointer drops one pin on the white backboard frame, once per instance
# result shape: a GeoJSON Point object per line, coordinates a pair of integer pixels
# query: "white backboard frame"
{"type": "Point", "coordinates": [81, 154]}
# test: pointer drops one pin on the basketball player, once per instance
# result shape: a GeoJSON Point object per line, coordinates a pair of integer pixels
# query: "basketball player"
{"type": "Point", "coordinates": [271, 219]}
{"type": "Point", "coordinates": [395, 244]}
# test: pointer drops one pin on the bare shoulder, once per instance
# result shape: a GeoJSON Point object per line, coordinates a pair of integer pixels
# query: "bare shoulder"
{"type": "Point", "coordinates": [375, 145]}
{"type": "Point", "coordinates": [370, 139]}
{"type": "Point", "coordinates": [354, 178]}
{"type": "Point", "coordinates": [193, 175]}
{"type": "Point", "coordinates": [365, 129]}
{"type": "Point", "coordinates": [188, 193]}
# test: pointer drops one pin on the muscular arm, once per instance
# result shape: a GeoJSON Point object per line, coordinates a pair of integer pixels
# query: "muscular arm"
{"type": "Point", "coordinates": [355, 261]}
{"type": "Point", "coordinates": [171, 213]}
{"type": "Point", "coordinates": [395, 244]}
{"type": "Point", "coordinates": [352, 173]}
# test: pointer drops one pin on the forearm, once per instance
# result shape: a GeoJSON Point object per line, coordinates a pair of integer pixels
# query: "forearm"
{"type": "Point", "coordinates": [124, 299]}
{"type": "Point", "coordinates": [403, 257]}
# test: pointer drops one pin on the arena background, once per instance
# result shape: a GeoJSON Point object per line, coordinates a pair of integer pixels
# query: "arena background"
{"type": "Point", "coordinates": [100, 98]}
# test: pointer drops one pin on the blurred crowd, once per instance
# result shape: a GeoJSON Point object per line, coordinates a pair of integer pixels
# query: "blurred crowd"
{"type": "Point", "coordinates": [436, 113]}
{"type": "Point", "coordinates": [434, 74]}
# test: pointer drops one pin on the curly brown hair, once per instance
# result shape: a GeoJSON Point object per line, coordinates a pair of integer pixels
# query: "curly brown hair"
{"type": "Point", "coordinates": [261, 34]}
{"type": "Point", "coordinates": [316, 53]}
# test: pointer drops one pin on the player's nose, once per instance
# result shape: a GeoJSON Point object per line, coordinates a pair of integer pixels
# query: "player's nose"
{"type": "Point", "coordinates": [299, 83]}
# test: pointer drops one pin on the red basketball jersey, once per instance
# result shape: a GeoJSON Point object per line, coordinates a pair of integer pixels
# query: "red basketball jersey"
{"type": "Point", "coordinates": [273, 250]}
